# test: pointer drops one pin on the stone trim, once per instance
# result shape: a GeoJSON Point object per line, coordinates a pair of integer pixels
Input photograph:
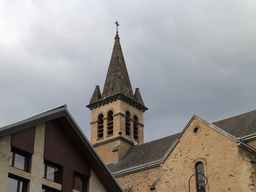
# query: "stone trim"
{"type": "Point", "coordinates": [93, 122]}
{"type": "Point", "coordinates": [137, 168]}
{"type": "Point", "coordinates": [117, 97]}
{"type": "Point", "coordinates": [114, 139]}
{"type": "Point", "coordinates": [119, 113]}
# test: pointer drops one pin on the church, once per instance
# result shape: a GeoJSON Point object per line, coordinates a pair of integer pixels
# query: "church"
{"type": "Point", "coordinates": [203, 157]}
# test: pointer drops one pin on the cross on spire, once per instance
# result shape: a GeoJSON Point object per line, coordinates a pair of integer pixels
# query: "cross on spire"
{"type": "Point", "coordinates": [117, 24]}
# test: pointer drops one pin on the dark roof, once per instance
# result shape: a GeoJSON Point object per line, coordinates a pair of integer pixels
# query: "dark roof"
{"type": "Point", "coordinates": [144, 153]}
{"type": "Point", "coordinates": [96, 95]}
{"type": "Point", "coordinates": [117, 83]}
{"type": "Point", "coordinates": [240, 125]}
{"type": "Point", "coordinates": [137, 96]}
{"type": "Point", "coordinates": [117, 80]}
{"type": "Point", "coordinates": [82, 143]}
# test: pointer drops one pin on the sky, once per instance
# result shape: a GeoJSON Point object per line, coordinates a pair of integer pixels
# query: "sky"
{"type": "Point", "coordinates": [186, 57]}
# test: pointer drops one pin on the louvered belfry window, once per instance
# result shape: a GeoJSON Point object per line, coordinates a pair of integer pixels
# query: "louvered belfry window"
{"type": "Point", "coordinates": [100, 126]}
{"type": "Point", "coordinates": [110, 122]}
{"type": "Point", "coordinates": [127, 123]}
{"type": "Point", "coordinates": [135, 128]}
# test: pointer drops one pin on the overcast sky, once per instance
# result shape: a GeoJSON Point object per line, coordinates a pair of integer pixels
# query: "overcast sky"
{"type": "Point", "coordinates": [187, 57]}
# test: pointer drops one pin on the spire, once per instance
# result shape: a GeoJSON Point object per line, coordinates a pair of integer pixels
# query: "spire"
{"type": "Point", "coordinates": [96, 95]}
{"type": "Point", "coordinates": [117, 80]}
{"type": "Point", "coordinates": [137, 97]}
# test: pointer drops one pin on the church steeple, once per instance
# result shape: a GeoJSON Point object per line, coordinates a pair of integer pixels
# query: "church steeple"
{"type": "Point", "coordinates": [117, 114]}
{"type": "Point", "coordinates": [117, 80]}
{"type": "Point", "coordinates": [117, 83]}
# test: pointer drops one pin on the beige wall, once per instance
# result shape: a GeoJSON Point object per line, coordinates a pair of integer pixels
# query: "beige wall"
{"type": "Point", "coordinates": [227, 167]}
{"type": "Point", "coordinates": [5, 149]}
{"type": "Point", "coordinates": [119, 109]}
{"type": "Point", "coordinates": [95, 184]}
{"type": "Point", "coordinates": [140, 181]}
{"type": "Point", "coordinates": [106, 150]}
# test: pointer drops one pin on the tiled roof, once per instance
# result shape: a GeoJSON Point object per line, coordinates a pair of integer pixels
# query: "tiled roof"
{"type": "Point", "coordinates": [240, 125]}
{"type": "Point", "coordinates": [117, 84]}
{"type": "Point", "coordinates": [144, 153]}
{"type": "Point", "coordinates": [117, 80]}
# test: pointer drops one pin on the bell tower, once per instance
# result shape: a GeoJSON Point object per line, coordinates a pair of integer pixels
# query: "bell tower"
{"type": "Point", "coordinates": [117, 113]}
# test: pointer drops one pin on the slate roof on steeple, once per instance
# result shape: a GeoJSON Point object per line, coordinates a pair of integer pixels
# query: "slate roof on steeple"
{"type": "Point", "coordinates": [137, 96]}
{"type": "Point", "coordinates": [117, 80]}
{"type": "Point", "coordinates": [96, 95]}
{"type": "Point", "coordinates": [117, 83]}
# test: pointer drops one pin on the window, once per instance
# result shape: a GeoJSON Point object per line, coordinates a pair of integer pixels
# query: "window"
{"type": "Point", "coordinates": [200, 177]}
{"type": "Point", "coordinates": [127, 123]}
{"type": "Point", "coordinates": [135, 128]}
{"type": "Point", "coordinates": [52, 172]}
{"type": "Point", "coordinates": [110, 122]}
{"type": "Point", "coordinates": [16, 184]}
{"type": "Point", "coordinates": [100, 126]}
{"type": "Point", "coordinates": [49, 189]}
{"type": "Point", "coordinates": [20, 160]}
{"type": "Point", "coordinates": [80, 182]}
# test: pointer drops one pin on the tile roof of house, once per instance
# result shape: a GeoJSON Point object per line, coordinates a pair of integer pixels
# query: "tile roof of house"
{"type": "Point", "coordinates": [144, 153]}
{"type": "Point", "coordinates": [240, 125]}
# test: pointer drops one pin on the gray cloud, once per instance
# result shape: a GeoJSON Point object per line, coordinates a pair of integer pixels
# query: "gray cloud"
{"type": "Point", "coordinates": [187, 57]}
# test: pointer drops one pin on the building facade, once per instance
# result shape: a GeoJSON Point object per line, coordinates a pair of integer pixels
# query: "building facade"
{"type": "Point", "coordinates": [203, 157]}
{"type": "Point", "coordinates": [49, 153]}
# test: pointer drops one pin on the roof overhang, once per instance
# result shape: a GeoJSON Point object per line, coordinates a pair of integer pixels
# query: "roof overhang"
{"type": "Point", "coordinates": [114, 98]}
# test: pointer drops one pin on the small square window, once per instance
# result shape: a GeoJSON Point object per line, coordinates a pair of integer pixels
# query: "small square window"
{"type": "Point", "coordinates": [52, 172]}
{"type": "Point", "coordinates": [80, 182]}
{"type": "Point", "coordinates": [20, 160]}
{"type": "Point", "coordinates": [16, 184]}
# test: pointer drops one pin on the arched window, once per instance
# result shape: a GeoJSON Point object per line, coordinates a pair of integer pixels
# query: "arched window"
{"type": "Point", "coordinates": [200, 177]}
{"type": "Point", "coordinates": [135, 128]}
{"type": "Point", "coordinates": [110, 122]}
{"type": "Point", "coordinates": [127, 123]}
{"type": "Point", "coordinates": [100, 126]}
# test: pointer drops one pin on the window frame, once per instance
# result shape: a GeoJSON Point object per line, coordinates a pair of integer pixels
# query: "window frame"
{"type": "Point", "coordinates": [44, 187]}
{"type": "Point", "coordinates": [198, 174]}
{"type": "Point", "coordinates": [127, 124]}
{"type": "Point", "coordinates": [84, 180]}
{"type": "Point", "coordinates": [100, 132]}
{"type": "Point", "coordinates": [27, 159]}
{"type": "Point", "coordinates": [19, 179]}
{"type": "Point", "coordinates": [110, 128]}
{"type": "Point", "coordinates": [58, 177]}
{"type": "Point", "coordinates": [136, 128]}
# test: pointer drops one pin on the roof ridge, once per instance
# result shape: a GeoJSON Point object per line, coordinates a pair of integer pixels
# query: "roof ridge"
{"type": "Point", "coordinates": [234, 116]}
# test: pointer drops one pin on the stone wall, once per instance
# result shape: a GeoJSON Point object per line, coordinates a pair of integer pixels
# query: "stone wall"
{"type": "Point", "coordinates": [140, 181]}
{"type": "Point", "coordinates": [226, 166]}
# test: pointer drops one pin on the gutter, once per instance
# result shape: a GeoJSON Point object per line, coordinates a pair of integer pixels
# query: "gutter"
{"type": "Point", "coordinates": [247, 147]}
{"type": "Point", "coordinates": [138, 168]}
{"type": "Point", "coordinates": [248, 137]}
